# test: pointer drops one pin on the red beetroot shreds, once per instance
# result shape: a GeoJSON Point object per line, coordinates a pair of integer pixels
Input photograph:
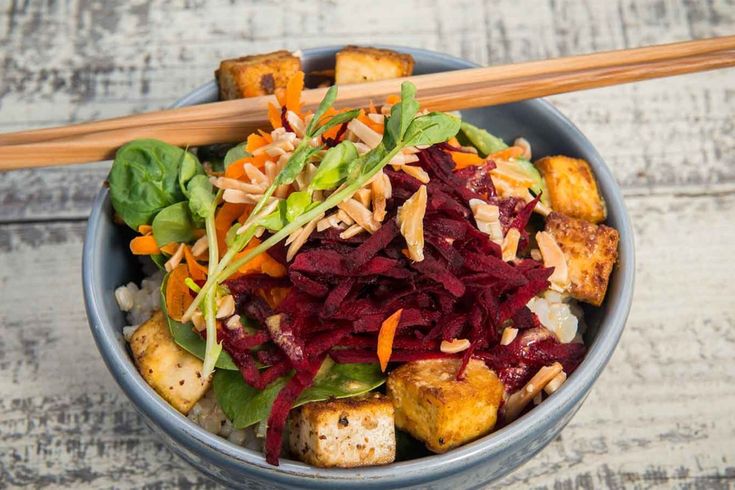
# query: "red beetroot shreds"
{"type": "Point", "coordinates": [521, 219]}
{"type": "Point", "coordinates": [336, 296]}
{"type": "Point", "coordinates": [308, 285]}
{"type": "Point", "coordinates": [520, 298]}
{"type": "Point", "coordinates": [377, 242]}
{"type": "Point", "coordinates": [280, 409]}
{"type": "Point", "coordinates": [478, 179]}
{"type": "Point", "coordinates": [349, 356]}
{"type": "Point", "coordinates": [438, 273]}
{"type": "Point", "coordinates": [284, 120]}
{"type": "Point", "coordinates": [524, 319]}
{"type": "Point", "coordinates": [320, 262]}
{"type": "Point", "coordinates": [283, 333]}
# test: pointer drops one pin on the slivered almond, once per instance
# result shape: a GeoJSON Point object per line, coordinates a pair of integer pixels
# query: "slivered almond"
{"type": "Point", "coordinates": [510, 244]}
{"type": "Point", "coordinates": [411, 222]}
{"type": "Point", "coordinates": [225, 307]}
{"type": "Point", "coordinates": [376, 118]}
{"type": "Point", "coordinates": [345, 218]}
{"type": "Point", "coordinates": [200, 246]}
{"type": "Point", "coordinates": [521, 398]}
{"type": "Point", "coordinates": [553, 257]}
{"type": "Point", "coordinates": [306, 231]}
{"type": "Point", "coordinates": [227, 183]}
{"type": "Point", "coordinates": [523, 143]}
{"type": "Point", "coordinates": [403, 159]}
{"type": "Point", "coordinates": [365, 133]}
{"type": "Point", "coordinates": [175, 259]}
{"type": "Point", "coordinates": [330, 221]}
{"type": "Point", "coordinates": [417, 173]}
{"type": "Point", "coordinates": [271, 170]}
{"type": "Point", "coordinates": [388, 187]}
{"type": "Point", "coordinates": [360, 214]}
{"type": "Point", "coordinates": [351, 231]}
{"type": "Point", "coordinates": [255, 175]}
{"type": "Point", "coordinates": [487, 219]}
{"type": "Point", "coordinates": [296, 123]}
{"type": "Point", "coordinates": [233, 323]}
{"type": "Point", "coordinates": [509, 335]}
{"type": "Point", "coordinates": [294, 234]}
{"type": "Point", "coordinates": [454, 346]}
{"type": "Point", "coordinates": [198, 320]}
{"type": "Point", "coordinates": [555, 383]}
{"type": "Point", "coordinates": [378, 197]}
{"type": "Point", "coordinates": [364, 196]}
{"type": "Point", "coordinates": [235, 196]}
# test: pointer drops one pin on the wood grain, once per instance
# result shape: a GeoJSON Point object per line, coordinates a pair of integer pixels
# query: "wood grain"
{"type": "Point", "coordinates": [660, 415]}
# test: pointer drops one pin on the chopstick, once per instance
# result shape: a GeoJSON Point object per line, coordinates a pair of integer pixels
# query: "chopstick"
{"type": "Point", "coordinates": [232, 121]}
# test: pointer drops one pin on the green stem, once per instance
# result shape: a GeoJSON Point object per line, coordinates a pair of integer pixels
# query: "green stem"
{"type": "Point", "coordinates": [212, 349]}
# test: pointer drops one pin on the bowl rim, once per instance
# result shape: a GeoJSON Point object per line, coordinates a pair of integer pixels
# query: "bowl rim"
{"type": "Point", "coordinates": [186, 433]}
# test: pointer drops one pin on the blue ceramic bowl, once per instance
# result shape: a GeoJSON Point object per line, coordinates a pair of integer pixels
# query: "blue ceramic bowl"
{"type": "Point", "coordinates": [107, 264]}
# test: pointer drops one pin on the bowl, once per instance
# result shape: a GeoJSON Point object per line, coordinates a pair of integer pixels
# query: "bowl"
{"type": "Point", "coordinates": [107, 264]}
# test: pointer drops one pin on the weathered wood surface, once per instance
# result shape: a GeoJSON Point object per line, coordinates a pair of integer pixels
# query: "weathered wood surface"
{"type": "Point", "coordinates": [660, 416]}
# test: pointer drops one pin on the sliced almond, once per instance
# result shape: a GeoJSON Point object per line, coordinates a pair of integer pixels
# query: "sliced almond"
{"type": "Point", "coordinates": [227, 183]}
{"type": "Point", "coordinates": [521, 398]}
{"type": "Point", "coordinates": [555, 383]}
{"type": "Point", "coordinates": [364, 195]}
{"type": "Point", "coordinates": [255, 175]}
{"type": "Point", "coordinates": [345, 218]}
{"type": "Point", "coordinates": [225, 307]}
{"type": "Point", "coordinates": [510, 244]}
{"type": "Point", "coordinates": [417, 173]}
{"type": "Point", "coordinates": [554, 257]}
{"type": "Point", "coordinates": [509, 335]}
{"type": "Point", "coordinates": [378, 197]}
{"type": "Point", "coordinates": [175, 259]}
{"type": "Point", "coordinates": [411, 222]}
{"type": "Point", "coordinates": [454, 346]}
{"type": "Point", "coordinates": [233, 323]}
{"type": "Point", "coordinates": [200, 246]}
{"type": "Point", "coordinates": [307, 230]}
{"type": "Point", "coordinates": [353, 230]}
{"type": "Point", "coordinates": [365, 133]}
{"type": "Point", "coordinates": [360, 214]}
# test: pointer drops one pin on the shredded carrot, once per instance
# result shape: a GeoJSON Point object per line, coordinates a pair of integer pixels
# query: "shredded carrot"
{"type": "Point", "coordinates": [236, 170]}
{"type": "Point", "coordinates": [170, 248]}
{"type": "Point", "coordinates": [385, 338]}
{"type": "Point", "coordinates": [225, 217]}
{"type": "Point", "coordinates": [377, 127]}
{"type": "Point", "coordinates": [507, 154]}
{"type": "Point", "coordinates": [262, 263]}
{"type": "Point", "coordinates": [273, 296]}
{"type": "Point", "coordinates": [294, 87]}
{"type": "Point", "coordinates": [197, 271]}
{"type": "Point", "coordinates": [178, 298]}
{"type": "Point", "coordinates": [274, 116]}
{"type": "Point", "coordinates": [464, 160]}
{"type": "Point", "coordinates": [145, 229]}
{"type": "Point", "coordinates": [371, 108]}
{"type": "Point", "coordinates": [280, 94]}
{"type": "Point", "coordinates": [454, 142]}
{"type": "Point", "coordinates": [392, 99]}
{"type": "Point", "coordinates": [144, 245]}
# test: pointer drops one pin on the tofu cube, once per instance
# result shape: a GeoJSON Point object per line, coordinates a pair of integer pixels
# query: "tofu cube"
{"type": "Point", "coordinates": [255, 75]}
{"type": "Point", "coordinates": [439, 410]}
{"type": "Point", "coordinates": [174, 373]}
{"type": "Point", "coordinates": [356, 65]}
{"type": "Point", "coordinates": [344, 433]}
{"type": "Point", "coordinates": [591, 251]}
{"type": "Point", "coordinates": [572, 188]}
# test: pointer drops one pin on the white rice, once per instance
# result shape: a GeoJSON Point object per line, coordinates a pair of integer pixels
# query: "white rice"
{"type": "Point", "coordinates": [559, 314]}
{"type": "Point", "coordinates": [139, 303]}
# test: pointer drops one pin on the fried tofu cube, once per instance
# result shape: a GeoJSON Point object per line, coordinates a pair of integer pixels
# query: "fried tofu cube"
{"type": "Point", "coordinates": [174, 373]}
{"type": "Point", "coordinates": [572, 188]}
{"type": "Point", "coordinates": [344, 433]}
{"type": "Point", "coordinates": [255, 75]}
{"type": "Point", "coordinates": [591, 251]}
{"type": "Point", "coordinates": [356, 65]}
{"type": "Point", "coordinates": [436, 408]}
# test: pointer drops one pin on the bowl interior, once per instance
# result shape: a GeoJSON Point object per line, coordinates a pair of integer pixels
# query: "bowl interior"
{"type": "Point", "coordinates": [108, 264]}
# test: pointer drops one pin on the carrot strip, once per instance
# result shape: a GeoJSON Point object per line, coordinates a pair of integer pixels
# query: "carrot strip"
{"type": "Point", "coordinates": [197, 271]}
{"type": "Point", "coordinates": [274, 116]}
{"type": "Point", "coordinates": [225, 217]}
{"type": "Point", "coordinates": [393, 99]}
{"type": "Point", "coordinates": [507, 154]}
{"type": "Point", "coordinates": [464, 160]}
{"type": "Point", "coordinates": [262, 263]}
{"type": "Point", "coordinates": [454, 142]}
{"type": "Point", "coordinates": [144, 245]}
{"type": "Point", "coordinates": [236, 170]}
{"type": "Point", "coordinates": [294, 87]}
{"type": "Point", "coordinates": [170, 248]}
{"type": "Point", "coordinates": [145, 229]}
{"type": "Point", "coordinates": [280, 96]}
{"type": "Point", "coordinates": [385, 338]}
{"type": "Point", "coordinates": [377, 127]}
{"type": "Point", "coordinates": [178, 298]}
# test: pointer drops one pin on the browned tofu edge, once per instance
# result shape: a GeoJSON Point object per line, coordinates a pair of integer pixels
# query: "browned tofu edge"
{"type": "Point", "coordinates": [572, 187]}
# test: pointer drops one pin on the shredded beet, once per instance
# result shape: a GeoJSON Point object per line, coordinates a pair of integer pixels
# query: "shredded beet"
{"type": "Point", "coordinates": [342, 290]}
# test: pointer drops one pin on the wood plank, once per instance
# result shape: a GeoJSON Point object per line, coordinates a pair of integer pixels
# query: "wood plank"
{"type": "Point", "coordinates": [658, 416]}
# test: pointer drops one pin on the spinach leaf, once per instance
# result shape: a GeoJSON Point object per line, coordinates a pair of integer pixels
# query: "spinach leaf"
{"type": "Point", "coordinates": [324, 105]}
{"type": "Point", "coordinates": [144, 179]}
{"type": "Point", "coordinates": [174, 224]}
{"type": "Point", "coordinates": [430, 129]}
{"type": "Point", "coordinates": [189, 167]}
{"type": "Point", "coordinates": [201, 197]}
{"type": "Point", "coordinates": [246, 406]}
{"type": "Point", "coordinates": [186, 338]}
{"type": "Point", "coordinates": [235, 154]}
{"type": "Point", "coordinates": [334, 167]}
{"type": "Point", "coordinates": [485, 142]}
{"type": "Point", "coordinates": [401, 114]}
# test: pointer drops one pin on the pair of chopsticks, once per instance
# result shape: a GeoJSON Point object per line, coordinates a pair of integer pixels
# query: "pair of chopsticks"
{"type": "Point", "coordinates": [232, 121]}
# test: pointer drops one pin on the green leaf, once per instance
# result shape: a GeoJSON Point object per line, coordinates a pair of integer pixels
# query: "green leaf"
{"type": "Point", "coordinates": [235, 154]}
{"type": "Point", "coordinates": [277, 219]}
{"type": "Point", "coordinates": [340, 118]}
{"type": "Point", "coordinates": [144, 179]}
{"type": "Point", "coordinates": [485, 142]}
{"type": "Point", "coordinates": [173, 224]}
{"type": "Point", "coordinates": [296, 204]}
{"type": "Point", "coordinates": [246, 406]}
{"type": "Point", "coordinates": [201, 197]}
{"type": "Point", "coordinates": [186, 338]}
{"type": "Point", "coordinates": [401, 114]}
{"type": "Point", "coordinates": [334, 167]}
{"type": "Point", "coordinates": [189, 167]}
{"type": "Point", "coordinates": [539, 184]}
{"type": "Point", "coordinates": [159, 260]}
{"type": "Point", "coordinates": [435, 127]}
{"type": "Point", "coordinates": [324, 105]}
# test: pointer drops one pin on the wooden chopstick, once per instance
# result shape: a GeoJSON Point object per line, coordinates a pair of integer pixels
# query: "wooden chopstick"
{"type": "Point", "coordinates": [232, 121]}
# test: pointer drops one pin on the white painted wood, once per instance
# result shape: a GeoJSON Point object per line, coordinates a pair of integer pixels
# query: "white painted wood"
{"type": "Point", "coordinates": [660, 415]}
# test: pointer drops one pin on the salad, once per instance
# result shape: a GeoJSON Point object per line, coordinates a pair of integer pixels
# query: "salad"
{"type": "Point", "coordinates": [356, 286]}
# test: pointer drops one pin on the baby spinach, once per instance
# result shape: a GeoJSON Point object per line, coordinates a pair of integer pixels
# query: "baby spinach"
{"type": "Point", "coordinates": [246, 406]}
{"type": "Point", "coordinates": [201, 197]}
{"type": "Point", "coordinates": [236, 153]}
{"type": "Point", "coordinates": [186, 338]}
{"type": "Point", "coordinates": [485, 142]}
{"type": "Point", "coordinates": [144, 179]}
{"type": "Point", "coordinates": [431, 128]}
{"type": "Point", "coordinates": [189, 168]}
{"type": "Point", "coordinates": [174, 224]}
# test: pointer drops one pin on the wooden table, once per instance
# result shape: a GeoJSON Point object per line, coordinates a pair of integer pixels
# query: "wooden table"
{"type": "Point", "coordinates": [661, 415]}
